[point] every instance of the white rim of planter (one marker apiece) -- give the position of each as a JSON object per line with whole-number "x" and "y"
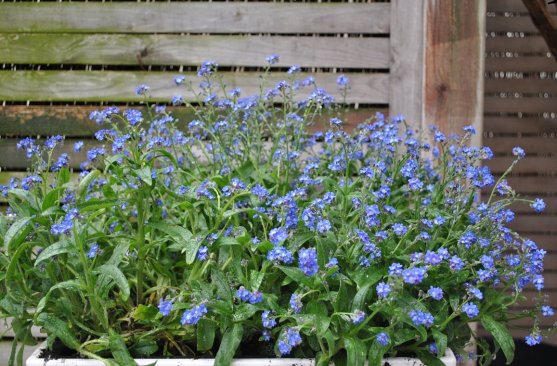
{"x": 35, "y": 360}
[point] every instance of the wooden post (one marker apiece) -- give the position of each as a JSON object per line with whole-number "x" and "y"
{"x": 437, "y": 63}
{"x": 406, "y": 93}
{"x": 454, "y": 68}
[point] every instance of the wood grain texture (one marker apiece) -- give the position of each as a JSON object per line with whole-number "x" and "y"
{"x": 527, "y": 165}
{"x": 525, "y": 85}
{"x": 164, "y": 49}
{"x": 521, "y": 64}
{"x": 531, "y": 144}
{"x": 495, "y": 104}
{"x": 529, "y": 44}
{"x": 406, "y": 95}
{"x": 515, "y": 125}
{"x": 454, "y": 74}
{"x": 115, "y": 86}
{"x": 195, "y": 17}
{"x": 72, "y": 121}
{"x": 510, "y": 24}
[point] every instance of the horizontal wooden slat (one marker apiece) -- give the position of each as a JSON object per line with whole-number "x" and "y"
{"x": 506, "y": 5}
{"x": 533, "y": 185}
{"x": 11, "y": 158}
{"x": 124, "y": 49}
{"x": 526, "y": 165}
{"x": 521, "y": 64}
{"x": 525, "y": 85}
{"x": 532, "y": 145}
{"x": 195, "y": 17}
{"x": 533, "y": 224}
{"x": 510, "y": 24}
{"x": 116, "y": 86}
{"x": 516, "y": 124}
{"x": 531, "y": 44}
{"x": 513, "y": 105}
{"x": 18, "y": 120}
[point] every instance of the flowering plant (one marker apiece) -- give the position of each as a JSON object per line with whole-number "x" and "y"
{"x": 243, "y": 229}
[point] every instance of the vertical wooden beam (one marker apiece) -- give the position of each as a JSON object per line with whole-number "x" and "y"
{"x": 454, "y": 67}
{"x": 406, "y": 94}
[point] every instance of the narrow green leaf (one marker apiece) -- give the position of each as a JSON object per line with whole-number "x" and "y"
{"x": 60, "y": 247}
{"x": 119, "y": 350}
{"x": 222, "y": 285}
{"x": 296, "y": 274}
{"x": 441, "y": 341}
{"x": 114, "y": 273}
{"x": 356, "y": 351}
{"x": 205, "y": 334}
{"x": 229, "y": 344}
{"x": 73, "y": 285}
{"x": 17, "y": 233}
{"x": 58, "y": 328}
{"x": 429, "y": 359}
{"x": 322, "y": 319}
{"x": 145, "y": 313}
{"x": 145, "y": 175}
{"x": 24, "y": 196}
{"x": 375, "y": 354}
{"x": 501, "y": 335}
{"x": 359, "y": 300}
{"x": 84, "y": 183}
{"x": 182, "y": 236}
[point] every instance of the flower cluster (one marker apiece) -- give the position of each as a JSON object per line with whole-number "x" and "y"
{"x": 191, "y": 237}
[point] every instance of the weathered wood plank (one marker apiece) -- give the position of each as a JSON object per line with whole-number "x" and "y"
{"x": 532, "y": 145}
{"x": 11, "y": 158}
{"x": 516, "y": 124}
{"x": 522, "y": 64}
{"x": 532, "y": 224}
{"x": 530, "y": 165}
{"x": 525, "y": 85}
{"x": 506, "y": 5}
{"x": 511, "y": 24}
{"x": 117, "y": 86}
{"x": 164, "y": 49}
{"x": 406, "y": 90}
{"x": 530, "y": 44}
{"x": 525, "y": 105}
{"x": 195, "y": 17}
{"x": 455, "y": 31}
{"x": 18, "y": 120}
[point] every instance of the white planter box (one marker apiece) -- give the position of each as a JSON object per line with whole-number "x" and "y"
{"x": 34, "y": 360}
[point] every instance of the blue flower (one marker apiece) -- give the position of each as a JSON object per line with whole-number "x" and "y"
{"x": 207, "y": 68}
{"x": 323, "y": 226}
{"x": 202, "y": 253}
{"x": 284, "y": 348}
{"x": 471, "y": 309}
{"x": 538, "y": 205}
{"x": 293, "y": 337}
{"x": 93, "y": 250}
{"x": 95, "y": 152}
{"x": 278, "y": 235}
{"x": 383, "y": 339}
{"x": 435, "y": 292}
{"x": 165, "y": 307}
{"x": 342, "y": 81}
{"x": 272, "y": 59}
{"x": 78, "y": 146}
{"x": 456, "y": 264}
{"x": 538, "y": 282}
{"x": 133, "y": 116}
{"x": 177, "y": 100}
{"x": 142, "y": 89}
{"x": 294, "y": 69}
{"x": 399, "y": 229}
{"x": 383, "y": 289}
{"x": 296, "y": 303}
{"x": 357, "y": 317}
{"x": 421, "y": 318}
{"x": 193, "y": 315}
{"x": 51, "y": 142}
{"x": 519, "y": 152}
{"x": 280, "y": 255}
{"x": 307, "y": 261}
{"x": 266, "y": 335}
{"x": 433, "y": 348}
{"x": 414, "y": 275}
{"x": 268, "y": 322}
{"x": 255, "y": 297}
{"x": 547, "y": 311}
{"x": 395, "y": 269}
{"x": 179, "y": 79}
{"x": 533, "y": 339}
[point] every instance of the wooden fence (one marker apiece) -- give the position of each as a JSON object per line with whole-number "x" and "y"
{"x": 521, "y": 110}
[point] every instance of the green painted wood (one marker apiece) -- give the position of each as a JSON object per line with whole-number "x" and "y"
{"x": 164, "y": 49}
{"x": 195, "y": 17}
{"x": 115, "y": 86}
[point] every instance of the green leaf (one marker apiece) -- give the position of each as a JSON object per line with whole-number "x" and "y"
{"x": 222, "y": 285}
{"x": 73, "y": 285}
{"x": 256, "y": 278}
{"x": 226, "y": 240}
{"x": 145, "y": 313}
{"x": 182, "y": 236}
{"x": 144, "y": 347}
{"x": 114, "y": 273}
{"x": 356, "y": 351}
{"x": 17, "y": 233}
{"x": 60, "y": 247}
{"x": 145, "y": 175}
{"x": 84, "y": 183}
{"x": 429, "y": 359}
{"x": 59, "y": 329}
{"x": 322, "y": 319}
{"x": 229, "y": 344}
{"x": 119, "y": 350}
{"x": 205, "y": 334}
{"x": 501, "y": 335}
{"x": 359, "y": 299}
{"x": 297, "y": 275}
{"x": 441, "y": 341}
{"x": 244, "y": 312}
{"x": 25, "y": 196}
{"x": 375, "y": 354}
